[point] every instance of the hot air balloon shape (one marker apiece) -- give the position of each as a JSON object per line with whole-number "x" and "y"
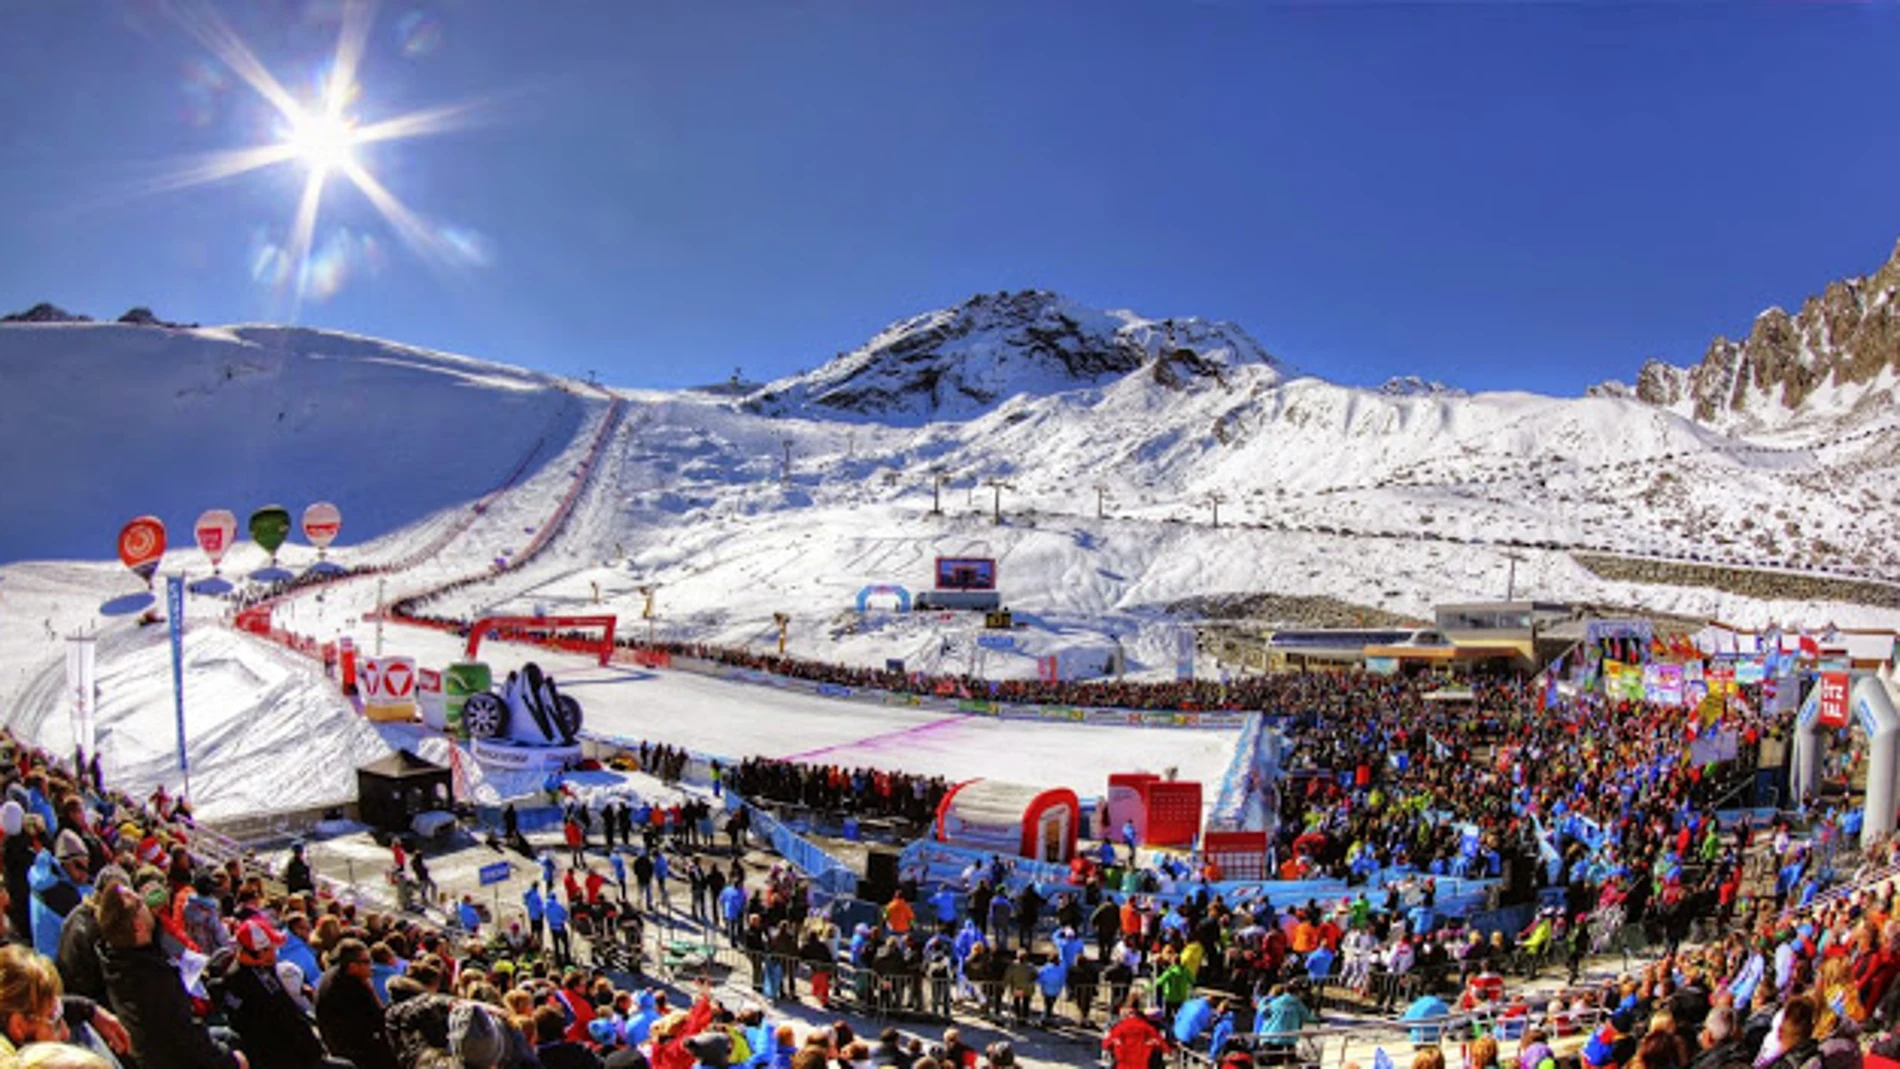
{"x": 216, "y": 530}
{"x": 270, "y": 525}
{"x": 141, "y": 545}
{"x": 321, "y": 522}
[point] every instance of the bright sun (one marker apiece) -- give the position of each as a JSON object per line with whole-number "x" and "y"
{"x": 323, "y": 141}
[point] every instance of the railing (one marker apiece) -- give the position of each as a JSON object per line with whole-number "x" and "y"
{"x": 826, "y": 871}
{"x": 944, "y": 995}
{"x": 1343, "y": 1044}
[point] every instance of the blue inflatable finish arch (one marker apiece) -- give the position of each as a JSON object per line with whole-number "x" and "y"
{"x": 902, "y": 595}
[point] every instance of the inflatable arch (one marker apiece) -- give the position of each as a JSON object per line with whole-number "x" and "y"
{"x": 552, "y": 626}
{"x": 1873, "y": 711}
{"x": 902, "y": 595}
{"x": 1010, "y": 818}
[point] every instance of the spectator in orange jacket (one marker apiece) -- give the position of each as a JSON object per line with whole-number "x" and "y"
{"x": 898, "y": 915}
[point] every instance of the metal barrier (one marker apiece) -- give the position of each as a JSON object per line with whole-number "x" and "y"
{"x": 1338, "y": 1045}
{"x": 825, "y": 871}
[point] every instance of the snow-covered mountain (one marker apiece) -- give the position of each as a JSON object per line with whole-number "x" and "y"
{"x": 104, "y": 421}
{"x": 1836, "y": 359}
{"x": 1107, "y": 443}
{"x": 960, "y": 362}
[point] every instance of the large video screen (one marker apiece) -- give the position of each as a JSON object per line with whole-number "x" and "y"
{"x": 966, "y": 573}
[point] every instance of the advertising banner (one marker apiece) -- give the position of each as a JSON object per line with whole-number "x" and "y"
{"x": 1721, "y": 679}
{"x": 429, "y": 698}
{"x": 966, "y": 573}
{"x": 1833, "y": 707}
{"x": 388, "y": 687}
{"x": 458, "y": 682}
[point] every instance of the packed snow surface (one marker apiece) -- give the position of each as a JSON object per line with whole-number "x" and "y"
{"x": 443, "y": 465}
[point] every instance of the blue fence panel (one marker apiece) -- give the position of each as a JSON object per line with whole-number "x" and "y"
{"x": 808, "y": 857}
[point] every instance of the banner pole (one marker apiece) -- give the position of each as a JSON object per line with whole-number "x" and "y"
{"x": 175, "y": 610}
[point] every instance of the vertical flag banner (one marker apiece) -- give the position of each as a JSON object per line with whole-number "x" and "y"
{"x": 80, "y": 657}
{"x": 175, "y": 611}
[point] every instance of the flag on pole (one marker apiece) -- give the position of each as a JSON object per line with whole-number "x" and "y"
{"x": 1809, "y": 647}
{"x": 175, "y": 610}
{"x": 80, "y": 659}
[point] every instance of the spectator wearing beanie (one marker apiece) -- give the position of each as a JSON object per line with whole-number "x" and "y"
{"x": 476, "y": 1038}
{"x": 60, "y": 880}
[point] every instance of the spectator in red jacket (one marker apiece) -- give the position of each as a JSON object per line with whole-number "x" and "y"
{"x": 1134, "y": 1040}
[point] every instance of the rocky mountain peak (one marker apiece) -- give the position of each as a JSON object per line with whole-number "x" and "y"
{"x": 44, "y": 312}
{"x": 1847, "y": 338}
{"x": 959, "y": 362}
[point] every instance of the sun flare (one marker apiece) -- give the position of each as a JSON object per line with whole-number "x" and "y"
{"x": 322, "y": 141}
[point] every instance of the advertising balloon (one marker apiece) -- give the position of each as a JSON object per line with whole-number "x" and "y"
{"x": 216, "y": 530}
{"x": 270, "y": 525}
{"x": 141, "y": 544}
{"x": 321, "y": 522}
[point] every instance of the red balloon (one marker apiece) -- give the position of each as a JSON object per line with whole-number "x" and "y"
{"x": 142, "y": 544}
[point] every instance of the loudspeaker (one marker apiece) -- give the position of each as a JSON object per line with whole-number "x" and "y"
{"x": 880, "y": 875}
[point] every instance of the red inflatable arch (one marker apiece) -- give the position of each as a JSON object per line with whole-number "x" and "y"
{"x": 507, "y": 627}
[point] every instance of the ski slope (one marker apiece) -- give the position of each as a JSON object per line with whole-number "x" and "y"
{"x": 444, "y": 465}
{"x": 267, "y": 732}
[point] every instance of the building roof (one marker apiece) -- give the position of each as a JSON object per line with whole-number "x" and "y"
{"x": 401, "y": 765}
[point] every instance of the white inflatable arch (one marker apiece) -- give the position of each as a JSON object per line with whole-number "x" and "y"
{"x": 1872, "y": 710}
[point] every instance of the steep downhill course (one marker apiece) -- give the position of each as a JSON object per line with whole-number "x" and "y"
{"x": 101, "y": 422}
{"x": 1106, "y": 442}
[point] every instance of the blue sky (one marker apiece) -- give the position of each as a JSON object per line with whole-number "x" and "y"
{"x": 1496, "y": 196}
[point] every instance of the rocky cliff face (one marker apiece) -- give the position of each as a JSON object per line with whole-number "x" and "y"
{"x": 1839, "y": 353}
{"x": 959, "y": 362}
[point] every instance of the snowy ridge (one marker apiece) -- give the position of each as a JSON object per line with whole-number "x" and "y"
{"x": 960, "y": 362}
{"x": 1397, "y": 499}
{"x": 1835, "y": 361}
{"x": 241, "y": 417}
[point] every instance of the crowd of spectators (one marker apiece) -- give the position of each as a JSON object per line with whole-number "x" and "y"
{"x": 862, "y": 792}
{"x": 127, "y": 943}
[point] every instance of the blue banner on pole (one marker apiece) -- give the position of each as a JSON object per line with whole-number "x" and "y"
{"x": 495, "y": 873}
{"x": 175, "y": 611}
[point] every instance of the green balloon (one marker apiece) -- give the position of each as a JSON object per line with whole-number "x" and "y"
{"x": 270, "y": 525}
